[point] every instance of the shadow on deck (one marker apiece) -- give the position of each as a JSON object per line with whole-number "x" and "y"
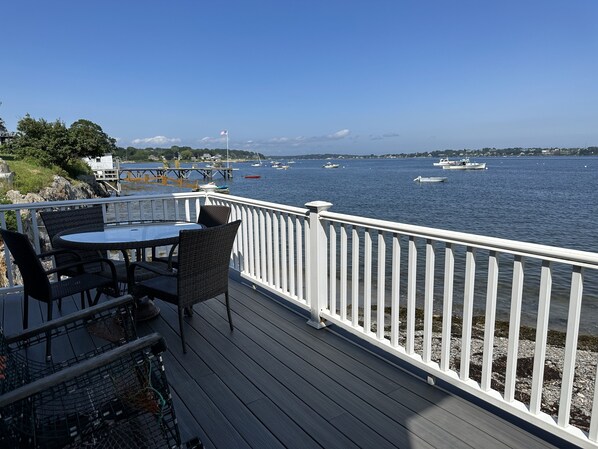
{"x": 276, "y": 382}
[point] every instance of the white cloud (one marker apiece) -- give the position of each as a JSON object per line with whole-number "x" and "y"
{"x": 157, "y": 141}
{"x": 339, "y": 134}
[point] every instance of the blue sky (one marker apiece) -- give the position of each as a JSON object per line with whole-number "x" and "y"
{"x": 299, "y": 77}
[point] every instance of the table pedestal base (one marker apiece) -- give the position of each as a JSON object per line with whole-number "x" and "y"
{"x": 146, "y": 310}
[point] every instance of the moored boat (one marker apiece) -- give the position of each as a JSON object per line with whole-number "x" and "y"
{"x": 330, "y": 165}
{"x": 465, "y": 164}
{"x": 212, "y": 186}
{"x": 430, "y": 179}
{"x": 252, "y": 176}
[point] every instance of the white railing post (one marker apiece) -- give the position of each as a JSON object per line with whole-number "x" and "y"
{"x": 318, "y": 271}
{"x": 208, "y": 188}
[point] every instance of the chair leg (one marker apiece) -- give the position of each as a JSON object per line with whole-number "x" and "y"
{"x": 181, "y": 328}
{"x": 48, "y": 334}
{"x": 82, "y": 294}
{"x": 230, "y": 318}
{"x": 95, "y": 299}
{"x": 60, "y": 304}
{"x": 25, "y": 310}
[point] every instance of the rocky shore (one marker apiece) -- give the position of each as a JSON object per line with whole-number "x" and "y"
{"x": 61, "y": 189}
{"x": 585, "y": 364}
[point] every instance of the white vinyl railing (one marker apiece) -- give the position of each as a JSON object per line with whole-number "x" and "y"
{"x": 452, "y": 304}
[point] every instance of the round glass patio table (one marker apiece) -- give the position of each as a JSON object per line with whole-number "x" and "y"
{"x": 123, "y": 237}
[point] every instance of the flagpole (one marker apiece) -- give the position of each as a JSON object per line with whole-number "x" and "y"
{"x": 227, "y": 162}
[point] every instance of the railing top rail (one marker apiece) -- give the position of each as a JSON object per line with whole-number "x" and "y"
{"x": 119, "y": 199}
{"x": 556, "y": 254}
{"x": 258, "y": 203}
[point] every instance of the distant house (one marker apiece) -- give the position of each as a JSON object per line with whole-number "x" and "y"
{"x": 100, "y": 163}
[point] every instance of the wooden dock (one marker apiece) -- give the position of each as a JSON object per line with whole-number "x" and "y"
{"x": 164, "y": 175}
{"x": 174, "y": 173}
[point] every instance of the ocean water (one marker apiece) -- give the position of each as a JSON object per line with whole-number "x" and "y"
{"x": 547, "y": 200}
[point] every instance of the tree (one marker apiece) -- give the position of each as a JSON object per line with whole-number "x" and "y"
{"x": 55, "y": 144}
{"x": 89, "y": 140}
{"x": 2, "y": 126}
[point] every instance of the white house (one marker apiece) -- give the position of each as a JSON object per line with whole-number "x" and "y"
{"x": 100, "y": 163}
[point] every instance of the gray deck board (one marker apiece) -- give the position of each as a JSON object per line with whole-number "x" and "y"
{"x": 275, "y": 382}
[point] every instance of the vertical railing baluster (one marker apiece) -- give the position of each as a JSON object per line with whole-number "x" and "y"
{"x": 428, "y": 300}
{"x": 355, "y": 278}
{"x": 489, "y": 321}
{"x": 187, "y": 210}
{"x": 276, "y": 245}
{"x": 263, "y": 250}
{"x": 447, "y": 307}
{"x": 246, "y": 257}
{"x": 343, "y": 273}
{"x": 367, "y": 282}
{"x": 332, "y": 265}
{"x": 35, "y": 230}
{"x": 269, "y": 250}
{"x": 514, "y": 323}
{"x": 129, "y": 212}
{"x": 573, "y": 318}
{"x": 299, "y": 243}
{"x": 165, "y": 209}
{"x": 307, "y": 248}
{"x": 468, "y": 295}
{"x": 19, "y": 221}
{"x": 381, "y": 281}
{"x": 256, "y": 243}
{"x": 541, "y": 337}
{"x": 396, "y": 291}
{"x": 292, "y": 263}
{"x": 411, "y": 296}
{"x": 284, "y": 254}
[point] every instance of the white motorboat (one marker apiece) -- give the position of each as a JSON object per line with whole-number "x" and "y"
{"x": 430, "y": 179}
{"x": 330, "y": 165}
{"x": 465, "y": 164}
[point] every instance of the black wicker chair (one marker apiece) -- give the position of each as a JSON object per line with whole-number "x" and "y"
{"x": 202, "y": 274}
{"x": 108, "y": 324}
{"x": 89, "y": 219}
{"x": 37, "y": 285}
{"x": 117, "y": 399}
{"x": 209, "y": 216}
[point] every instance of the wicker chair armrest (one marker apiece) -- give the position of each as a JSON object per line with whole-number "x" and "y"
{"x": 153, "y": 341}
{"x": 54, "y": 252}
{"x": 65, "y": 321}
{"x": 170, "y": 254}
{"x": 82, "y": 263}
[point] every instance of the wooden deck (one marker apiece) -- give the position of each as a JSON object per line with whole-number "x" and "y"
{"x": 275, "y": 382}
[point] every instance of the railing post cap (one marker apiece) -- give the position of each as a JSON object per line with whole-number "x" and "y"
{"x": 318, "y": 206}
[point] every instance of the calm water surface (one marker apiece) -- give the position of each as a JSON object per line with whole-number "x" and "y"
{"x": 547, "y": 200}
